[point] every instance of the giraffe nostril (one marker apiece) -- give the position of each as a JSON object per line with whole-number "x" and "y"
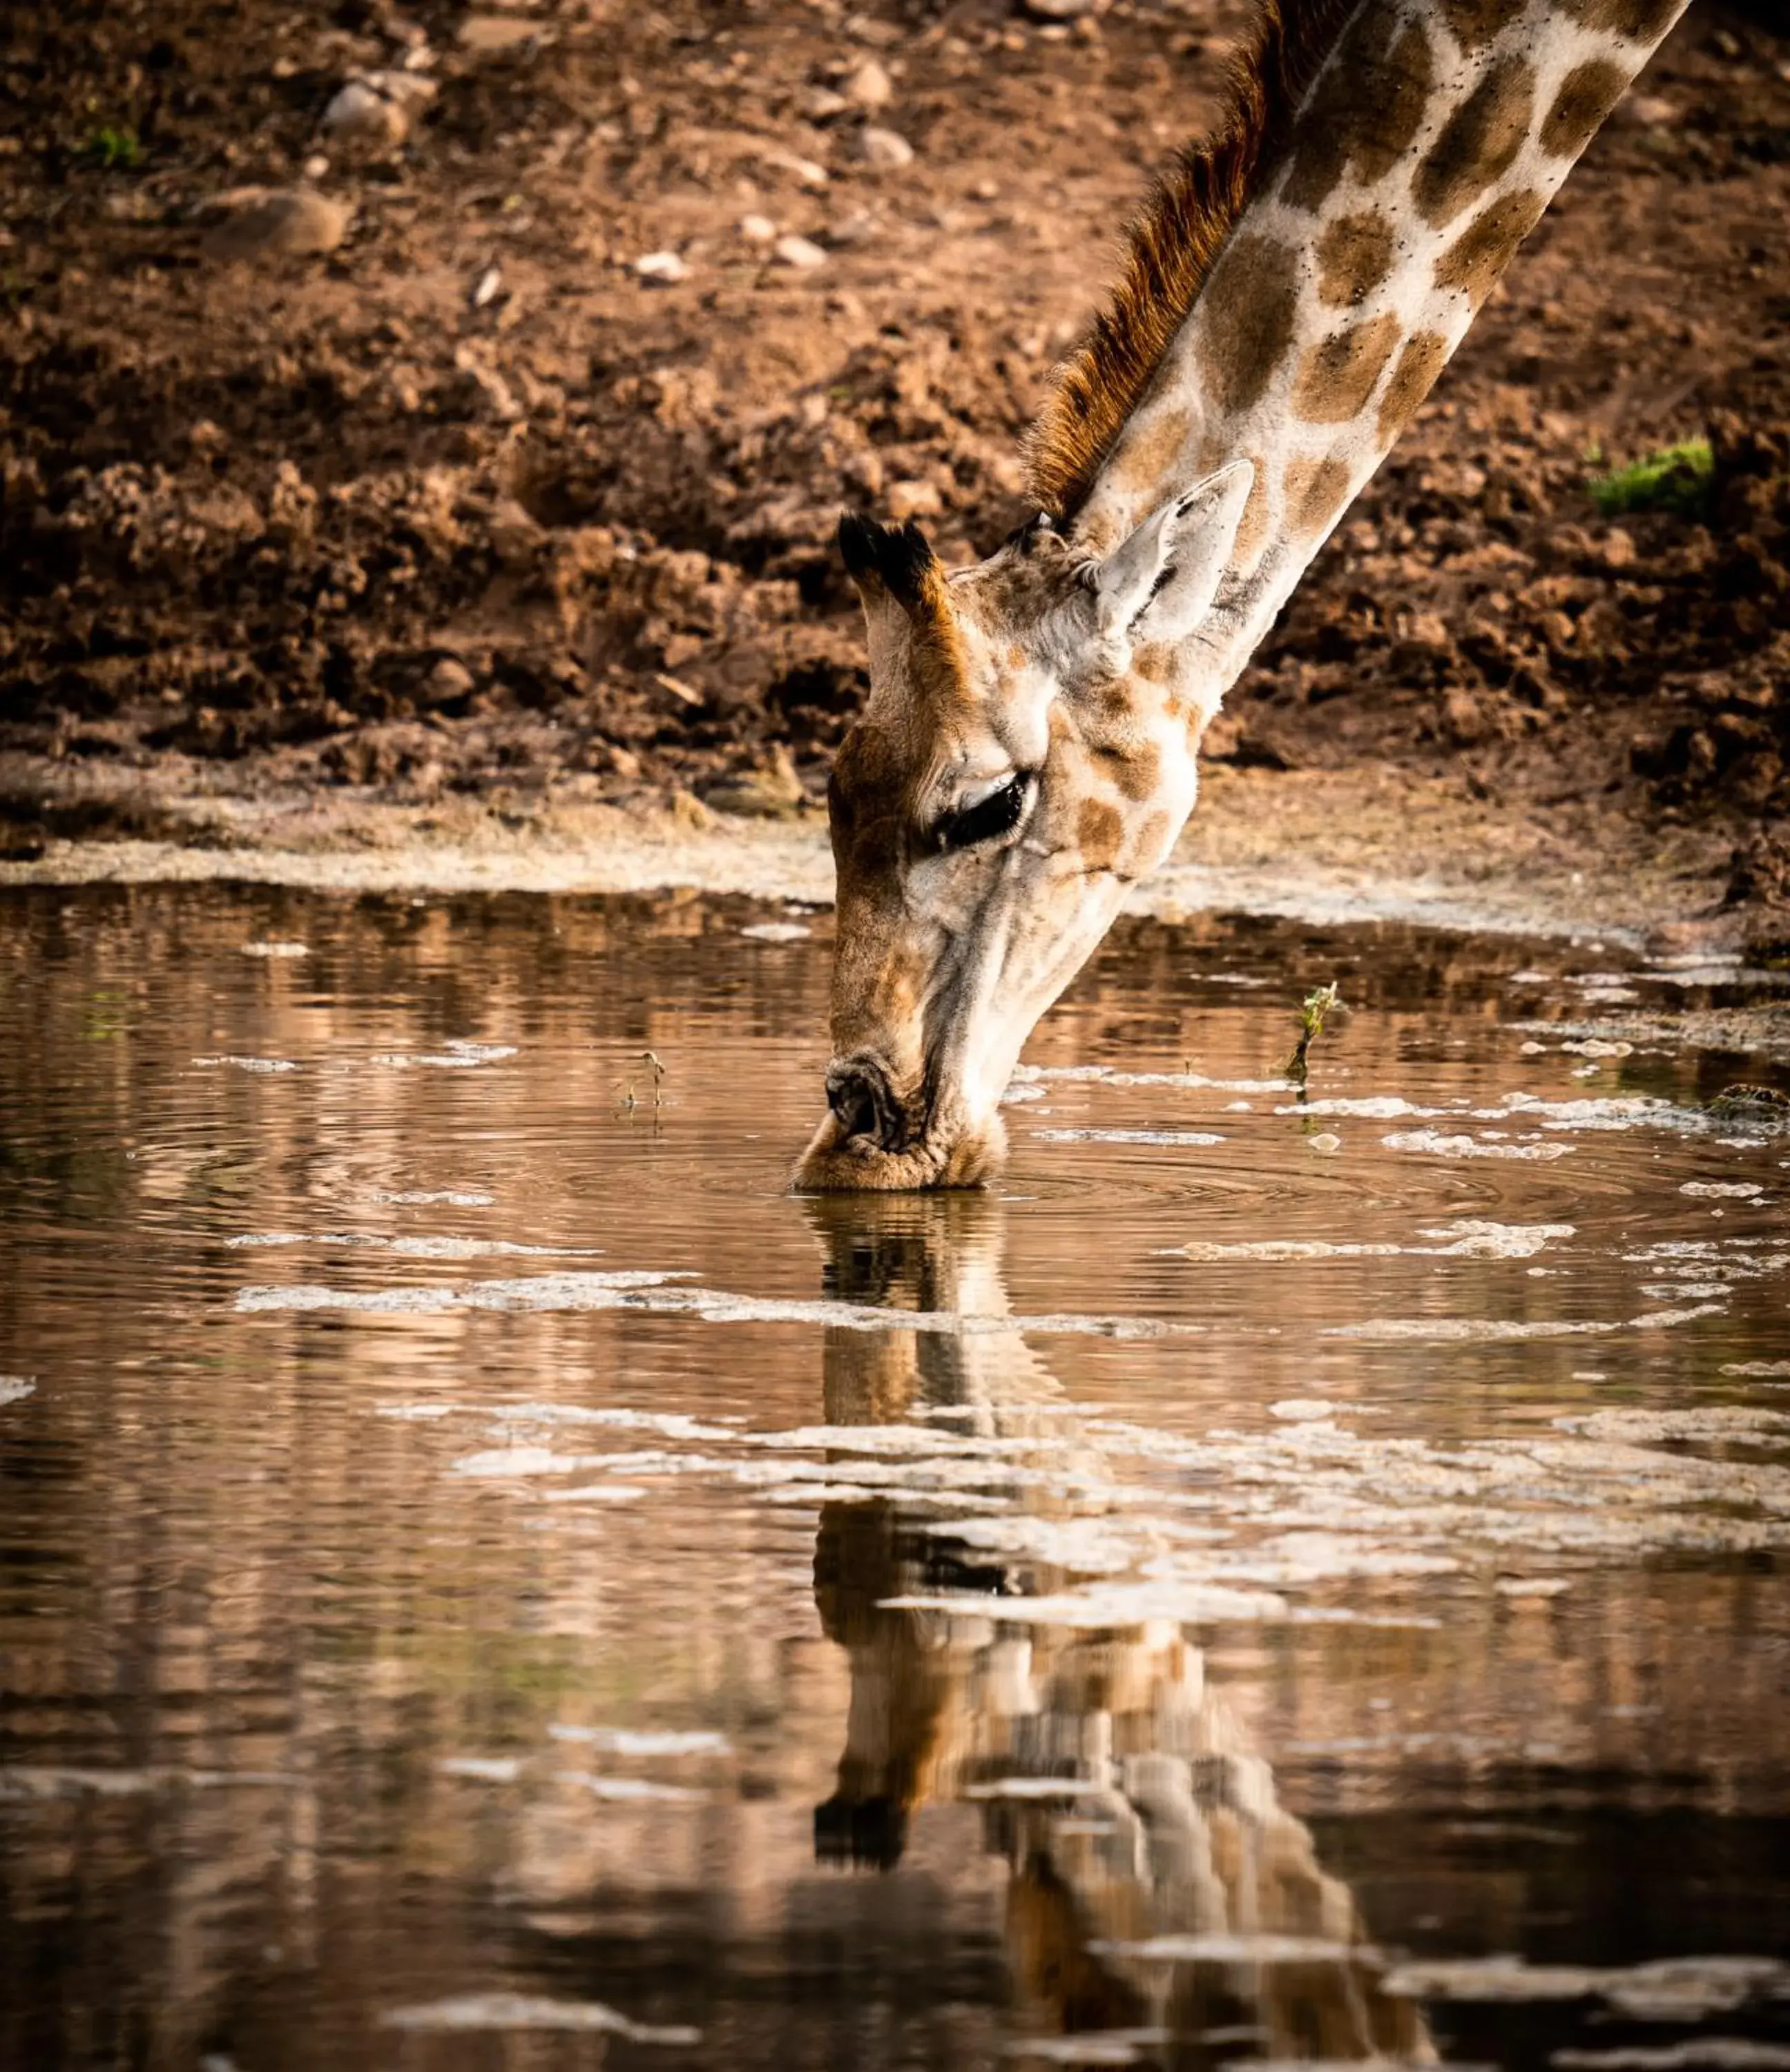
{"x": 858, "y": 1093}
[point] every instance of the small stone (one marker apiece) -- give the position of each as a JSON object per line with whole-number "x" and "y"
{"x": 449, "y": 679}
{"x": 913, "y": 500}
{"x": 821, "y": 104}
{"x": 757, "y": 229}
{"x": 1058, "y": 10}
{"x": 869, "y": 86}
{"x": 887, "y": 149}
{"x": 316, "y": 166}
{"x": 1325, "y": 1143}
{"x": 661, "y": 269}
{"x": 277, "y": 223}
{"x": 802, "y": 253}
{"x": 771, "y": 792}
{"x": 359, "y": 116}
{"x": 488, "y": 33}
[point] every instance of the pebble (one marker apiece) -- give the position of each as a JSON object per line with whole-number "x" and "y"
{"x": 913, "y": 500}
{"x": 361, "y": 113}
{"x": 662, "y": 268}
{"x": 887, "y": 149}
{"x": 869, "y": 86}
{"x": 277, "y": 223}
{"x": 497, "y": 32}
{"x": 799, "y": 252}
{"x": 823, "y": 106}
{"x": 757, "y": 229}
{"x": 1058, "y": 10}
{"x": 1325, "y": 1142}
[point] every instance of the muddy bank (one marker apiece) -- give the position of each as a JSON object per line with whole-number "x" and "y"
{"x": 429, "y": 494}
{"x": 1370, "y": 843}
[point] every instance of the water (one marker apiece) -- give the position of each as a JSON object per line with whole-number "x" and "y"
{"x": 492, "y": 1579}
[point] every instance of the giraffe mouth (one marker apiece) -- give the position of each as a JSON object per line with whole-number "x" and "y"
{"x": 850, "y": 1155}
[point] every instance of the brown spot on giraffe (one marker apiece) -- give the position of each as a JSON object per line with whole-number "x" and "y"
{"x": 1475, "y": 22}
{"x": 1136, "y": 771}
{"x": 1250, "y": 305}
{"x": 1099, "y": 832}
{"x": 1425, "y": 355}
{"x": 1316, "y": 491}
{"x": 1475, "y": 259}
{"x": 1586, "y": 95}
{"x": 1154, "y": 661}
{"x": 1150, "y": 452}
{"x": 1354, "y": 255}
{"x": 1643, "y": 20}
{"x": 1479, "y": 141}
{"x": 1337, "y": 375}
{"x": 1252, "y": 527}
{"x": 1365, "y": 111}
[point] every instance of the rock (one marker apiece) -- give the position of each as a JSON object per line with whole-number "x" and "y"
{"x": 869, "y": 86}
{"x": 913, "y": 500}
{"x": 1058, "y": 10}
{"x": 374, "y": 110}
{"x": 1327, "y": 1144}
{"x": 801, "y": 252}
{"x": 488, "y": 33}
{"x": 447, "y": 680}
{"x": 661, "y": 269}
{"x": 821, "y": 104}
{"x": 277, "y": 223}
{"x": 772, "y": 792}
{"x": 887, "y": 149}
{"x": 757, "y": 229}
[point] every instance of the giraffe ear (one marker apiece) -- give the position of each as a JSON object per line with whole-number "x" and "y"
{"x": 1169, "y": 568}
{"x": 886, "y": 560}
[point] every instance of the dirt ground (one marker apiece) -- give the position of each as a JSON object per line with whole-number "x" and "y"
{"x": 463, "y": 504}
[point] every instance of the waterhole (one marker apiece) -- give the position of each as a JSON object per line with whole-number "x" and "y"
{"x": 1293, "y": 1573}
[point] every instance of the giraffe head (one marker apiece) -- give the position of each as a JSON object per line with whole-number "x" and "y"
{"x": 1027, "y": 749}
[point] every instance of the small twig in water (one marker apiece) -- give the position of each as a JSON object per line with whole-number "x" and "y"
{"x": 1313, "y": 1010}
{"x": 655, "y": 1065}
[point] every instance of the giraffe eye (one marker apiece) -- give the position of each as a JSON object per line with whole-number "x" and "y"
{"x": 988, "y": 820}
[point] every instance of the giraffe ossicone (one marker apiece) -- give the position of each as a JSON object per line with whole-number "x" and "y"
{"x": 1028, "y": 746}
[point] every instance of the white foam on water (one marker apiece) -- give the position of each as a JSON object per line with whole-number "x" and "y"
{"x": 457, "y": 1055}
{"x": 1441, "y": 1146}
{"x": 1724, "y": 1190}
{"x": 1126, "y": 1604}
{"x": 1712, "y": 1420}
{"x": 1374, "y": 1108}
{"x": 1698, "y": 2054}
{"x": 1220, "y": 1948}
{"x": 482, "y": 1769}
{"x": 1106, "y": 1075}
{"x": 1671, "y": 1989}
{"x": 1119, "y": 2047}
{"x": 272, "y": 949}
{"x": 475, "y": 2011}
{"x": 412, "y": 1247}
{"x": 1760, "y": 1369}
{"x": 629, "y": 1790}
{"x": 15, "y": 1388}
{"x": 242, "y": 1064}
{"x": 777, "y": 931}
{"x": 644, "y": 1742}
{"x": 419, "y": 1197}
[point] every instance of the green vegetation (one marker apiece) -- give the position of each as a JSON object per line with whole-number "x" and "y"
{"x": 1675, "y": 478}
{"x": 113, "y": 150}
{"x": 1313, "y": 1008}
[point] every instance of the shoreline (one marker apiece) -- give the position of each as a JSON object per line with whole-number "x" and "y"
{"x": 1373, "y": 844}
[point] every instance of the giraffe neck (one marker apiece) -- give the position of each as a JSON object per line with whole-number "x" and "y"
{"x": 1427, "y": 147}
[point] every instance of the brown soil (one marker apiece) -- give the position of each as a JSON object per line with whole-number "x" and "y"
{"x": 466, "y": 505}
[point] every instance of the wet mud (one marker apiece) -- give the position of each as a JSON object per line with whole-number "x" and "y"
{"x": 470, "y": 507}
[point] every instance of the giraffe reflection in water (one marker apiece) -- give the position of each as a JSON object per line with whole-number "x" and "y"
{"x": 1166, "y": 1824}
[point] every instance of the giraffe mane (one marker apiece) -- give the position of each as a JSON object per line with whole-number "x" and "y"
{"x": 1170, "y": 247}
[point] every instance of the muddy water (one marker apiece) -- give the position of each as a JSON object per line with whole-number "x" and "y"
{"x": 492, "y": 1579}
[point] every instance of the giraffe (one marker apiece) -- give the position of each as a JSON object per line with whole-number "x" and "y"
{"x": 1028, "y": 746}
